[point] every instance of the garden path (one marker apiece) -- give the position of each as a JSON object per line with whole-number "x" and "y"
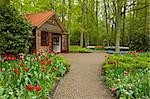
{"x": 84, "y": 81}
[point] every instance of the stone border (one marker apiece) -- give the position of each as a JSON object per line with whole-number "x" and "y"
{"x": 54, "y": 90}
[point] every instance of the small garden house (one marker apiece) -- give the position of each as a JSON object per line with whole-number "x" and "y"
{"x": 49, "y": 32}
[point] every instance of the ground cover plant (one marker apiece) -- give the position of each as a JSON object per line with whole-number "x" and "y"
{"x": 78, "y": 49}
{"x": 128, "y": 76}
{"x": 33, "y": 77}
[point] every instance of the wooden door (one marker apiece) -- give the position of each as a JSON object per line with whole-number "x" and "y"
{"x": 64, "y": 45}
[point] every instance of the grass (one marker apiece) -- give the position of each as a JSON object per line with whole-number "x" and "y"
{"x": 78, "y": 49}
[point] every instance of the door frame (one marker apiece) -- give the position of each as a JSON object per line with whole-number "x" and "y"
{"x": 63, "y": 51}
{"x": 60, "y": 41}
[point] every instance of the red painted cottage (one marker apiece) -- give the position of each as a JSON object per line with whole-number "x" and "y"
{"x": 49, "y": 32}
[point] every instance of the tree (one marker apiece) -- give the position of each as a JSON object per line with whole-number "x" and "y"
{"x": 15, "y": 31}
{"x": 118, "y": 24}
{"x": 84, "y": 19}
{"x": 83, "y": 23}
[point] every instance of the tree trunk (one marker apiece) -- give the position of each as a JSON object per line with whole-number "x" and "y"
{"x": 106, "y": 16}
{"x": 82, "y": 31}
{"x": 69, "y": 15}
{"x": 123, "y": 24}
{"x": 118, "y": 25}
{"x": 97, "y": 5}
{"x": 63, "y": 12}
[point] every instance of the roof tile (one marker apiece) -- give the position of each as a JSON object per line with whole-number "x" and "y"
{"x": 38, "y": 18}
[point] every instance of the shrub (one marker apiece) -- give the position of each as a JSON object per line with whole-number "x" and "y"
{"x": 78, "y": 49}
{"x": 31, "y": 78}
{"x": 62, "y": 59}
{"x": 15, "y": 31}
{"x": 139, "y": 41}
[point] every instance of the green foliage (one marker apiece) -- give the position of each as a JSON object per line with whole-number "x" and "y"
{"x": 16, "y": 32}
{"x": 95, "y": 32}
{"x": 42, "y": 70}
{"x": 139, "y": 41}
{"x": 62, "y": 59}
{"x": 128, "y": 76}
{"x": 78, "y": 49}
{"x": 71, "y": 15}
{"x": 127, "y": 62}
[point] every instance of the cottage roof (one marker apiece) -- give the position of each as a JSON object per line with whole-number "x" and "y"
{"x": 38, "y": 19}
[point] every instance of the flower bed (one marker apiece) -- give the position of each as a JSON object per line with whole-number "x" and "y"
{"x": 31, "y": 78}
{"x": 128, "y": 76}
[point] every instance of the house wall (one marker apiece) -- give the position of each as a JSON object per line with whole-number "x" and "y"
{"x": 38, "y": 41}
{"x": 50, "y": 26}
{"x": 38, "y": 38}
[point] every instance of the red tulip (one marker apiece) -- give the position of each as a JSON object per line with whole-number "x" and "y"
{"x": 43, "y": 63}
{"x": 20, "y": 64}
{"x": 50, "y": 71}
{"x": 49, "y": 62}
{"x": 18, "y": 73}
{"x": 51, "y": 51}
{"x": 110, "y": 62}
{"x": 113, "y": 90}
{"x": 27, "y": 69}
{"x": 140, "y": 51}
{"x": 16, "y": 70}
{"x": 29, "y": 87}
{"x": 3, "y": 70}
{"x": 47, "y": 58}
{"x": 14, "y": 58}
{"x": 39, "y": 59}
{"x": 9, "y": 58}
{"x": 6, "y": 58}
{"x": 38, "y": 88}
{"x": 42, "y": 60}
{"x": 33, "y": 60}
{"x": 54, "y": 68}
{"x": 126, "y": 73}
{"x": 34, "y": 51}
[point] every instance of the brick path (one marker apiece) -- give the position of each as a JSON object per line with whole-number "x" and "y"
{"x": 84, "y": 80}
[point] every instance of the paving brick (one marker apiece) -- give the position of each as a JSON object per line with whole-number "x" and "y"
{"x": 84, "y": 79}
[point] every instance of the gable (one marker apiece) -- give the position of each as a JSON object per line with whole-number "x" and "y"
{"x": 52, "y": 25}
{"x": 44, "y": 19}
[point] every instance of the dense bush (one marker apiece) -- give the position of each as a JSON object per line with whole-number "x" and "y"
{"x": 139, "y": 41}
{"x": 128, "y": 76}
{"x": 31, "y": 78}
{"x": 15, "y": 31}
{"x": 78, "y": 49}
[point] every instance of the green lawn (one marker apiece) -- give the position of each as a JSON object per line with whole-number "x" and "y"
{"x": 78, "y": 49}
